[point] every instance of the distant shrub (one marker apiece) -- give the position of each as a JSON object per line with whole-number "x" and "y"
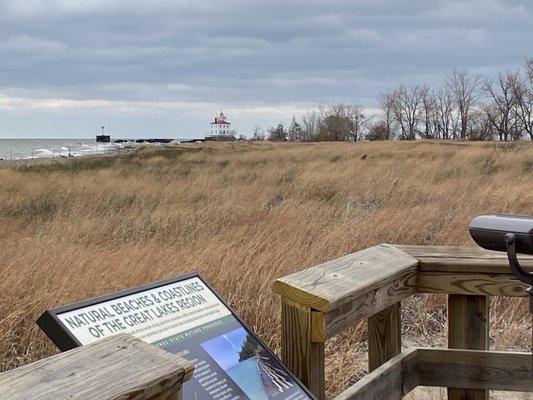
{"x": 274, "y": 201}
{"x": 323, "y": 192}
{"x": 448, "y": 173}
{"x": 38, "y": 208}
{"x": 527, "y": 165}
{"x": 287, "y": 177}
{"x": 223, "y": 164}
{"x": 486, "y": 165}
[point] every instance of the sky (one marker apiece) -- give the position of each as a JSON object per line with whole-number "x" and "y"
{"x": 163, "y": 68}
{"x": 225, "y": 349}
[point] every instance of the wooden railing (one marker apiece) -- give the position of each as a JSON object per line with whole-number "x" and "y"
{"x": 120, "y": 367}
{"x": 320, "y": 302}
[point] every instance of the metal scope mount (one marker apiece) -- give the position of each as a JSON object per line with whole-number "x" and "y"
{"x": 510, "y": 233}
{"x": 520, "y": 273}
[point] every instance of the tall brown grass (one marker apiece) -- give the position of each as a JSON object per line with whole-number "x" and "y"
{"x": 244, "y": 214}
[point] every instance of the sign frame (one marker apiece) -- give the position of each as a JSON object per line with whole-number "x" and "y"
{"x": 61, "y": 336}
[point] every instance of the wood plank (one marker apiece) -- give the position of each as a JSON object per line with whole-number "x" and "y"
{"x": 317, "y": 326}
{"x": 467, "y": 283}
{"x": 333, "y": 284}
{"x": 301, "y": 355}
{"x": 120, "y": 367}
{"x": 367, "y": 305}
{"x": 384, "y": 336}
{"x": 468, "y": 328}
{"x": 467, "y": 259}
{"x": 490, "y": 370}
{"x": 391, "y": 381}
{"x": 481, "y": 370}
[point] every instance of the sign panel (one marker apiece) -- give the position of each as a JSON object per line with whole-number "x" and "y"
{"x": 182, "y": 316}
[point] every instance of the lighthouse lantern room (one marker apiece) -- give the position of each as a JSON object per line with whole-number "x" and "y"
{"x": 220, "y": 126}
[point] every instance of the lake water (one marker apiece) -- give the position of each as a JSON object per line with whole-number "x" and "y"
{"x": 13, "y": 149}
{"x": 247, "y": 376}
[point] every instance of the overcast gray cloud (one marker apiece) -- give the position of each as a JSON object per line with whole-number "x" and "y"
{"x": 163, "y": 67}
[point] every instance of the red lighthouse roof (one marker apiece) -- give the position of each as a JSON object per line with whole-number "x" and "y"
{"x": 221, "y": 120}
{"x": 218, "y": 121}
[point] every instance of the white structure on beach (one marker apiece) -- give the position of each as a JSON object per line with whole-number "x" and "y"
{"x": 220, "y": 126}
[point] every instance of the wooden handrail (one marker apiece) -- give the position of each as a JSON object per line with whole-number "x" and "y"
{"x": 336, "y": 283}
{"x": 351, "y": 288}
{"x": 461, "y": 259}
{"x": 120, "y": 367}
{"x": 320, "y": 302}
{"x": 442, "y": 368}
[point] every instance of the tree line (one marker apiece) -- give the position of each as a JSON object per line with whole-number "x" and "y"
{"x": 464, "y": 107}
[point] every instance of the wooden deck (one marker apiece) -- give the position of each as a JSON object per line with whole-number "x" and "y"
{"x": 320, "y": 302}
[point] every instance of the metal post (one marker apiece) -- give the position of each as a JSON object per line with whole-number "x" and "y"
{"x": 522, "y": 275}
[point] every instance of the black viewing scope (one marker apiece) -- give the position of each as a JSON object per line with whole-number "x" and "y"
{"x": 510, "y": 233}
{"x": 489, "y": 232}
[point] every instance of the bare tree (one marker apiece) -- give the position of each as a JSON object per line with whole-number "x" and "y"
{"x": 479, "y": 126}
{"x": 463, "y": 108}
{"x": 445, "y": 120}
{"x": 428, "y": 107}
{"x": 334, "y": 125}
{"x": 523, "y": 93}
{"x": 386, "y": 102}
{"x": 359, "y": 122}
{"x": 258, "y": 133}
{"x": 378, "y": 131}
{"x": 295, "y": 131}
{"x": 529, "y": 68}
{"x": 310, "y": 125}
{"x": 408, "y": 109}
{"x": 465, "y": 91}
{"x": 501, "y": 110}
{"x": 341, "y": 122}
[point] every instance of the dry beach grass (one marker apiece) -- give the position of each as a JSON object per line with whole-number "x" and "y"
{"x": 244, "y": 214}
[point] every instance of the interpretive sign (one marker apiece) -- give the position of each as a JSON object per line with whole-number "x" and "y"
{"x": 183, "y": 316}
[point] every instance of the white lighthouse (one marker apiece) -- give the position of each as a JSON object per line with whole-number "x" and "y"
{"x": 220, "y": 127}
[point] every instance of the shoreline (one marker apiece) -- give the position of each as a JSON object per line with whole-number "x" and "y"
{"x": 26, "y": 162}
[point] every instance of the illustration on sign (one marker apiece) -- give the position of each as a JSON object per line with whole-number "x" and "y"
{"x": 186, "y": 317}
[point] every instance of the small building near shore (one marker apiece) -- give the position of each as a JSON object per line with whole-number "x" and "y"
{"x": 103, "y": 138}
{"x": 220, "y": 129}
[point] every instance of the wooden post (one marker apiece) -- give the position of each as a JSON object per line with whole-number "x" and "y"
{"x": 384, "y": 336}
{"x": 468, "y": 328}
{"x": 301, "y": 355}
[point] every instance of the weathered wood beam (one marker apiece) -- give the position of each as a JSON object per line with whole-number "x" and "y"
{"x": 464, "y": 270}
{"x": 303, "y": 356}
{"x": 468, "y": 283}
{"x": 468, "y": 328}
{"x": 391, "y": 381}
{"x": 120, "y": 367}
{"x": 367, "y": 305}
{"x": 384, "y": 336}
{"x": 490, "y": 370}
{"x": 476, "y": 369}
{"x": 337, "y": 283}
{"x": 465, "y": 259}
